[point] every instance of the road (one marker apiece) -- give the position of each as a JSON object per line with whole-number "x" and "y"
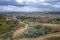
{"x": 20, "y": 30}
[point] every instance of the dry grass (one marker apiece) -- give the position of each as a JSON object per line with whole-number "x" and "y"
{"x": 47, "y": 25}
{"x": 53, "y": 36}
{"x": 51, "y": 25}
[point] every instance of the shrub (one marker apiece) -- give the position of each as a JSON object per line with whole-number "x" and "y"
{"x": 30, "y": 32}
{"x": 11, "y": 25}
{"x": 0, "y": 24}
{"x": 44, "y": 30}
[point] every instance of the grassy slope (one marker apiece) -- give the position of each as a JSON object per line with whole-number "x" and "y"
{"x": 54, "y": 35}
{"x": 48, "y": 35}
{"x": 4, "y": 27}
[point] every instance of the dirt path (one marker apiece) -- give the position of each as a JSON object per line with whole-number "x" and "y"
{"x": 43, "y": 37}
{"x": 20, "y": 30}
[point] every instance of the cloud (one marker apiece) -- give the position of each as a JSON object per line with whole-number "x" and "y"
{"x": 56, "y": 6}
{"x": 29, "y": 5}
{"x": 5, "y": 0}
{"x": 10, "y": 8}
{"x": 18, "y": 9}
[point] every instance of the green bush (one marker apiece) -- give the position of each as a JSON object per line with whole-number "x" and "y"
{"x": 31, "y": 32}
{"x": 44, "y": 30}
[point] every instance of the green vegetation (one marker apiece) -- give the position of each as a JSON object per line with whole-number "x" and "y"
{"x": 37, "y": 31}
{"x": 4, "y": 27}
{"x": 32, "y": 32}
{"x": 42, "y": 19}
{"x": 7, "y": 26}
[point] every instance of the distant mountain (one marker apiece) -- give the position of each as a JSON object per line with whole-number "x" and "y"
{"x": 20, "y": 12}
{"x": 52, "y": 12}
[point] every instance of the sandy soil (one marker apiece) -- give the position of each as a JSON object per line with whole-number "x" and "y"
{"x": 43, "y": 37}
{"x": 20, "y": 30}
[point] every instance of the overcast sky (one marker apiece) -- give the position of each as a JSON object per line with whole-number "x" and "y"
{"x": 29, "y": 5}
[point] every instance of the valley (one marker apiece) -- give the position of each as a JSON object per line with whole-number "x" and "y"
{"x": 30, "y": 26}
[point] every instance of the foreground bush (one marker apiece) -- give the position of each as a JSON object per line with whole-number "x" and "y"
{"x": 32, "y": 32}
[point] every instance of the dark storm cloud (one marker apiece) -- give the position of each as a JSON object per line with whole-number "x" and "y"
{"x": 10, "y": 2}
{"x": 22, "y": 5}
